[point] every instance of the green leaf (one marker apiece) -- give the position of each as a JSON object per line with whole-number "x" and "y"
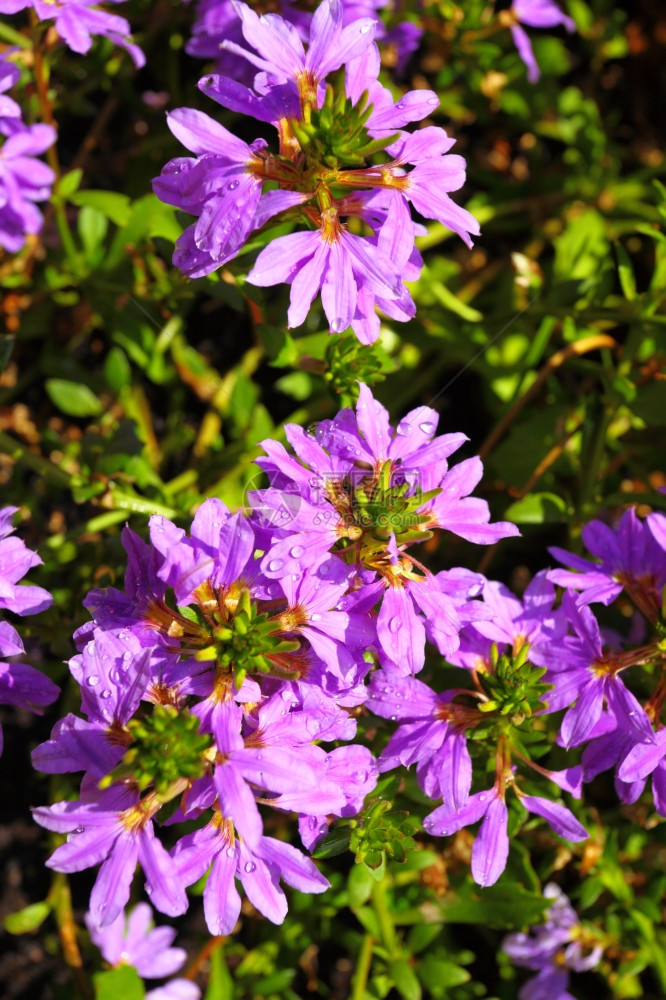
{"x": 111, "y": 204}
{"x": 117, "y": 369}
{"x": 438, "y": 975}
{"x": 504, "y": 907}
{"x": 537, "y": 508}
{"x": 220, "y": 983}
{"x": 405, "y": 979}
{"x": 625, "y": 273}
{"x": 93, "y": 227}
{"x": 27, "y": 919}
{"x": 73, "y": 398}
{"x": 122, "y": 982}
{"x": 359, "y": 885}
{"x": 68, "y": 184}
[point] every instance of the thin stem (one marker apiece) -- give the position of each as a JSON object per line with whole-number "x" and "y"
{"x": 362, "y": 968}
{"x": 381, "y": 908}
{"x": 61, "y": 899}
{"x": 213, "y": 943}
{"x": 20, "y": 453}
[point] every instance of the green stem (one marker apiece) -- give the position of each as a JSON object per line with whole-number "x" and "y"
{"x": 14, "y": 37}
{"x": 381, "y": 908}
{"x": 61, "y": 900}
{"x": 362, "y": 968}
{"x": 20, "y": 453}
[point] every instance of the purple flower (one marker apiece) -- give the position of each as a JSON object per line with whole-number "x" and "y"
{"x": 133, "y": 940}
{"x": 628, "y": 559}
{"x": 259, "y": 870}
{"x": 20, "y": 685}
{"x": 536, "y": 14}
{"x": 23, "y": 180}
{"x": 76, "y": 21}
{"x": 117, "y": 830}
{"x": 552, "y": 949}
{"x": 279, "y": 51}
{"x": 342, "y": 265}
{"x": 581, "y": 670}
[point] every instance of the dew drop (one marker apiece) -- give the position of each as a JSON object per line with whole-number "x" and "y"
{"x": 403, "y": 428}
{"x": 233, "y": 185}
{"x": 312, "y": 822}
{"x": 127, "y": 655}
{"x": 400, "y": 106}
{"x": 395, "y": 624}
{"x": 393, "y": 718}
{"x": 122, "y": 635}
{"x": 231, "y": 852}
{"x": 80, "y": 829}
{"x": 250, "y": 867}
{"x": 338, "y": 325}
{"x": 295, "y": 577}
{"x": 427, "y": 427}
{"x": 216, "y": 524}
{"x": 482, "y": 797}
{"x": 433, "y": 101}
{"x": 360, "y": 776}
{"x": 365, "y": 28}
{"x": 105, "y": 694}
{"x": 275, "y": 564}
{"x": 388, "y": 689}
{"x": 315, "y": 617}
{"x": 92, "y": 681}
{"x": 286, "y": 695}
{"x": 297, "y": 552}
{"x": 323, "y": 828}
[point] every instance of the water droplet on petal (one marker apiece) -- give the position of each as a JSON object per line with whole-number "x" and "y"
{"x": 275, "y": 564}
{"x": 323, "y": 829}
{"x": 365, "y": 28}
{"x": 315, "y": 617}
{"x": 297, "y": 552}
{"x": 403, "y": 428}
{"x": 92, "y": 681}
{"x": 80, "y": 829}
{"x": 427, "y": 427}
{"x": 233, "y": 185}
{"x": 216, "y": 524}
{"x": 231, "y": 852}
{"x": 250, "y": 867}
{"x": 312, "y": 822}
{"x": 433, "y": 101}
{"x": 400, "y": 106}
{"x": 127, "y": 655}
{"x": 395, "y": 624}
{"x": 105, "y": 694}
{"x": 482, "y": 797}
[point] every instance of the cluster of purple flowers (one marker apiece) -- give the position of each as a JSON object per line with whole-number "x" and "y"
{"x": 211, "y": 682}
{"x": 20, "y": 684}
{"x": 553, "y": 949}
{"x": 342, "y": 155}
{"x": 76, "y": 21}
{"x": 24, "y": 179}
{"x": 217, "y": 23}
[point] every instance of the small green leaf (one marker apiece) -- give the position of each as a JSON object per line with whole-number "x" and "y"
{"x": 68, "y": 184}
{"x": 405, "y": 979}
{"x": 537, "y": 508}
{"x": 122, "y": 982}
{"x": 625, "y": 273}
{"x": 27, "y": 919}
{"x": 73, "y": 398}
{"x": 93, "y": 227}
{"x": 111, "y": 204}
{"x": 117, "y": 369}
